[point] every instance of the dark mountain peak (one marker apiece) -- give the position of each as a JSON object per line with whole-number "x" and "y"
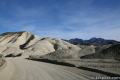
{"x": 77, "y": 39}
{"x": 93, "y": 41}
{"x": 96, "y": 39}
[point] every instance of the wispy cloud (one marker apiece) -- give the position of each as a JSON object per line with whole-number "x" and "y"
{"x": 62, "y": 19}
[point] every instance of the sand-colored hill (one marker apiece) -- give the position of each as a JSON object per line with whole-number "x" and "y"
{"x": 25, "y": 44}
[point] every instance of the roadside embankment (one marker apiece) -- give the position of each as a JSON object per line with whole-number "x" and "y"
{"x": 2, "y": 62}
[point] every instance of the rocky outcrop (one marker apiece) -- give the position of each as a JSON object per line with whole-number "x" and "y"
{"x": 54, "y": 47}
{"x": 10, "y": 42}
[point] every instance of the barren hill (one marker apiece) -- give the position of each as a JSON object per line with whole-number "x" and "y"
{"x": 25, "y": 44}
{"x": 109, "y": 52}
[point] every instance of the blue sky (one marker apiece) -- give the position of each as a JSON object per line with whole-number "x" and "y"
{"x": 62, "y": 18}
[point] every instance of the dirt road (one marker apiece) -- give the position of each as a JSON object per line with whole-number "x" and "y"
{"x": 22, "y": 69}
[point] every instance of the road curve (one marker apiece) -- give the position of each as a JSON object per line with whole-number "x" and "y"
{"x": 22, "y": 69}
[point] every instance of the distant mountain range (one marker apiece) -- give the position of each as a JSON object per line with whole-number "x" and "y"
{"x": 92, "y": 41}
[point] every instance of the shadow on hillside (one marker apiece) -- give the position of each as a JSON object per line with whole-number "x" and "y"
{"x": 99, "y": 71}
{"x": 53, "y": 62}
{"x": 12, "y": 55}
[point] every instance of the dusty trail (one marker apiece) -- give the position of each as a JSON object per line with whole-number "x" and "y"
{"x": 22, "y": 69}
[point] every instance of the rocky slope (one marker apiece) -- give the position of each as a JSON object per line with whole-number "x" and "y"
{"x": 25, "y": 44}
{"x": 109, "y": 52}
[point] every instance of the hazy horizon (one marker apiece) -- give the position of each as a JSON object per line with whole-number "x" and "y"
{"x": 65, "y": 19}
